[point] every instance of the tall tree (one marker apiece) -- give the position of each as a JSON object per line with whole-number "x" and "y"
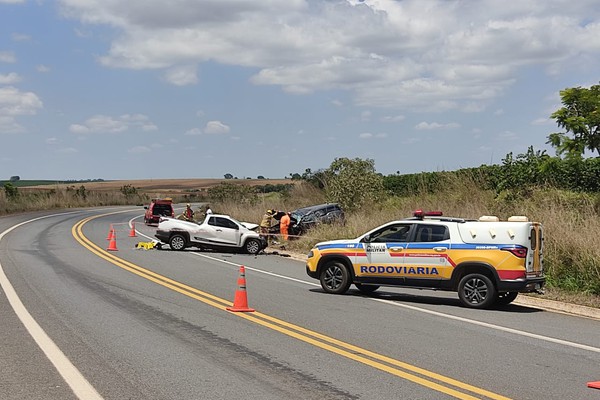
{"x": 580, "y": 118}
{"x": 353, "y": 183}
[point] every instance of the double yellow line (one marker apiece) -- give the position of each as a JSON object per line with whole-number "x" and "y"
{"x": 431, "y": 380}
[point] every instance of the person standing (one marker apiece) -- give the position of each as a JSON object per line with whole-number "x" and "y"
{"x": 188, "y": 214}
{"x": 284, "y": 225}
{"x": 265, "y": 224}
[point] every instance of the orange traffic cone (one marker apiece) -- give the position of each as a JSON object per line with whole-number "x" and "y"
{"x": 111, "y": 233}
{"x": 594, "y": 385}
{"x": 240, "y": 303}
{"x": 112, "y": 245}
{"x": 132, "y": 231}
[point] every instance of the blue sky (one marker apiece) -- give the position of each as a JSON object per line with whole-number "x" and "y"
{"x": 148, "y": 89}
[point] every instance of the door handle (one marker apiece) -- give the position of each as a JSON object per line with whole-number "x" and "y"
{"x": 396, "y": 248}
{"x": 440, "y": 249}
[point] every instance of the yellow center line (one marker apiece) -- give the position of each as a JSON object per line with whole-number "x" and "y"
{"x": 325, "y": 342}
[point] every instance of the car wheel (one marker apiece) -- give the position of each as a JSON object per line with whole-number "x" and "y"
{"x": 335, "y": 278}
{"x": 477, "y": 291}
{"x": 505, "y": 298}
{"x": 366, "y": 289}
{"x": 177, "y": 242}
{"x": 253, "y": 246}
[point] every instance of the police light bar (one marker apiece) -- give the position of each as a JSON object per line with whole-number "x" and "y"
{"x": 422, "y": 214}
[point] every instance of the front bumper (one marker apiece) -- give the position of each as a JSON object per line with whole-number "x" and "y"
{"x": 312, "y": 274}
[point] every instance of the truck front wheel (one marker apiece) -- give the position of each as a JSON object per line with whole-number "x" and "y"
{"x": 177, "y": 242}
{"x": 335, "y": 278}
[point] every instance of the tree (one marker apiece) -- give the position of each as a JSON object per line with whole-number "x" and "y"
{"x": 15, "y": 178}
{"x": 579, "y": 117}
{"x": 353, "y": 183}
{"x": 228, "y": 176}
{"x": 11, "y": 191}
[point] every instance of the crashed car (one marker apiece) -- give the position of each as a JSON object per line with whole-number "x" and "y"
{"x": 216, "y": 232}
{"x": 302, "y": 219}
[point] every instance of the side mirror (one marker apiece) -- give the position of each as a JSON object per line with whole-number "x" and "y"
{"x": 366, "y": 239}
{"x": 145, "y": 207}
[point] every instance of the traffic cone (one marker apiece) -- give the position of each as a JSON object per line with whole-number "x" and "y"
{"x": 240, "y": 303}
{"x": 112, "y": 245}
{"x": 132, "y": 231}
{"x": 594, "y": 385}
{"x": 111, "y": 233}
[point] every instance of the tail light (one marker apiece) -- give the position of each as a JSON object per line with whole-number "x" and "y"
{"x": 518, "y": 251}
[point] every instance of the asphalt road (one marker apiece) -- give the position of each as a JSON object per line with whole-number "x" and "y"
{"x": 87, "y": 323}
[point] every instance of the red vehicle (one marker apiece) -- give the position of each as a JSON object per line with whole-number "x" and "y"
{"x": 158, "y": 208}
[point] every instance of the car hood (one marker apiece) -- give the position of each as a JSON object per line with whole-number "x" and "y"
{"x": 250, "y": 225}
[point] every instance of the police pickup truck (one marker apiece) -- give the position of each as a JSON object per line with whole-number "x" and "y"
{"x": 487, "y": 261}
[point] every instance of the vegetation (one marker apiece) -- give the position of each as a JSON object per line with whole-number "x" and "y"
{"x": 579, "y": 117}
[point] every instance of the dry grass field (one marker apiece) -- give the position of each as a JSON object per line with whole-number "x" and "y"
{"x": 170, "y": 185}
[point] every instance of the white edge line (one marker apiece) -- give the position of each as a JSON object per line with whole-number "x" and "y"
{"x": 81, "y": 387}
{"x": 437, "y": 314}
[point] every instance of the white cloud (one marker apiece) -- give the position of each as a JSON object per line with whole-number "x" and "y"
{"x": 42, "y": 68}
{"x": 435, "y": 55}
{"x": 107, "y": 124}
{"x": 52, "y": 141}
{"x": 9, "y": 125}
{"x": 436, "y": 125}
{"x": 216, "y": 128}
{"x": 7, "y": 57}
{"x": 182, "y": 75}
{"x": 367, "y": 135}
{"x": 10, "y": 79}
{"x": 15, "y": 103}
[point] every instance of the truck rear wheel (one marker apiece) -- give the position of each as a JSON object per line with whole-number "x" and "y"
{"x": 477, "y": 291}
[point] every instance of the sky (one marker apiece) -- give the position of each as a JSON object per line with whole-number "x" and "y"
{"x": 154, "y": 89}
